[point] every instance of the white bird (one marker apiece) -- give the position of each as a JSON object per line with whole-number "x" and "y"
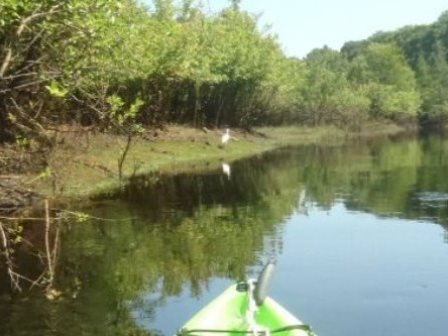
{"x": 225, "y": 137}
{"x": 226, "y": 169}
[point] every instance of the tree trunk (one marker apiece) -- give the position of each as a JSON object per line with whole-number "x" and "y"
{"x": 197, "y": 103}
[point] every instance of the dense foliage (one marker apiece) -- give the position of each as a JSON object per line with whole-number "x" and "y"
{"x": 425, "y": 49}
{"x": 65, "y": 62}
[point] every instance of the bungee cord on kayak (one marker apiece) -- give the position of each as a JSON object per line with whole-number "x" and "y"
{"x": 303, "y": 327}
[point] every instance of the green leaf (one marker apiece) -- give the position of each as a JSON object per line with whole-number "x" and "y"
{"x": 56, "y": 90}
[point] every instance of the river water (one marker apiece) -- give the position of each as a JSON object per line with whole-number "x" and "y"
{"x": 359, "y": 232}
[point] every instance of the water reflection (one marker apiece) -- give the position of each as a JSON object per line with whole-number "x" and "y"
{"x": 226, "y": 169}
{"x": 174, "y": 237}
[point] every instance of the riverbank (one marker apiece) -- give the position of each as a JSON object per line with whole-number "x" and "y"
{"x": 85, "y": 164}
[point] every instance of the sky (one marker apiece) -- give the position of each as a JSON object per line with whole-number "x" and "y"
{"x": 302, "y": 25}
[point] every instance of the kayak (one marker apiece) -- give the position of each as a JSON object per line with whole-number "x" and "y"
{"x": 244, "y": 308}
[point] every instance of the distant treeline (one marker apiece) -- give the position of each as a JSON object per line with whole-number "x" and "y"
{"x": 102, "y": 62}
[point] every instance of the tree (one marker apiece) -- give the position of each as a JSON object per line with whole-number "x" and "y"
{"x": 390, "y": 82}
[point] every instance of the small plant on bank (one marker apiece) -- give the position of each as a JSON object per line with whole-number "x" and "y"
{"x": 124, "y": 121}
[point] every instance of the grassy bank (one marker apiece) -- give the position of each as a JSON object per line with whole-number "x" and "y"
{"x": 86, "y": 165}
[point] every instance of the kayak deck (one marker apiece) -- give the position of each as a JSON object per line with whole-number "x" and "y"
{"x": 227, "y": 315}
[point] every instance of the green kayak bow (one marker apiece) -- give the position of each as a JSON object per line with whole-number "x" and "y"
{"x": 245, "y": 309}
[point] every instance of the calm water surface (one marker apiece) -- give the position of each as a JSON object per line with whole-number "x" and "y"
{"x": 359, "y": 232}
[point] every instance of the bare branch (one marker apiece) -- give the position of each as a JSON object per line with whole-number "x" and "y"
{"x": 6, "y": 61}
{"x": 47, "y": 244}
{"x": 35, "y": 38}
{"x": 21, "y": 218}
{"x": 28, "y": 74}
{"x": 23, "y": 86}
{"x": 32, "y": 121}
{"x": 93, "y": 108}
{"x": 37, "y": 282}
{"x": 8, "y": 260}
{"x": 56, "y": 246}
{"x": 33, "y": 16}
{"x": 31, "y": 63}
{"x": 39, "y": 110}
